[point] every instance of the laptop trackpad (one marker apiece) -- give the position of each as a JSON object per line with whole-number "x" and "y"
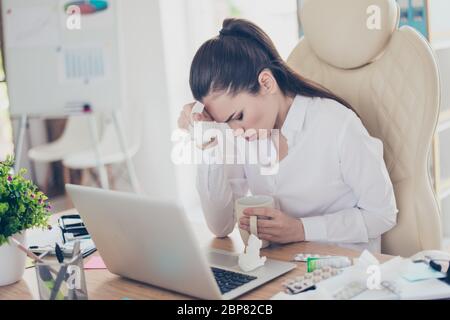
{"x": 220, "y": 259}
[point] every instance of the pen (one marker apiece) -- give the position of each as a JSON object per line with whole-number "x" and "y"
{"x": 76, "y": 250}
{"x": 59, "y": 253}
{"x": 435, "y": 266}
{"x": 27, "y": 252}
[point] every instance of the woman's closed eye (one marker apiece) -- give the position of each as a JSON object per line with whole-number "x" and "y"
{"x": 233, "y": 117}
{"x": 240, "y": 116}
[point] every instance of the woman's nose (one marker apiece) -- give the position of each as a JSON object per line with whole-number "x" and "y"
{"x": 235, "y": 127}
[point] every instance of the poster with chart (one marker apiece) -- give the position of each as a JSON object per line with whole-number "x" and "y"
{"x": 62, "y": 56}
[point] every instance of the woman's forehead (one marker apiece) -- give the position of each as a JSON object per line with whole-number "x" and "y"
{"x": 219, "y": 105}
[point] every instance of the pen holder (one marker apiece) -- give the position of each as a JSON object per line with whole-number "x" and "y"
{"x": 62, "y": 281}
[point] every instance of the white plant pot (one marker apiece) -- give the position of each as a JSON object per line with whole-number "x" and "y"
{"x": 12, "y": 261}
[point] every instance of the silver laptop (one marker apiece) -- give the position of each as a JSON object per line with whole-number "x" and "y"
{"x": 152, "y": 241}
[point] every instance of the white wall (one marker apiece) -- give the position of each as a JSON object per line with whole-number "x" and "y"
{"x": 160, "y": 38}
{"x": 177, "y": 37}
{"x": 277, "y": 19}
{"x": 147, "y": 96}
{"x": 438, "y": 20}
{"x": 186, "y": 24}
{"x": 146, "y": 85}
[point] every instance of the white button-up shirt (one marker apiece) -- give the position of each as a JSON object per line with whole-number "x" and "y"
{"x": 334, "y": 179}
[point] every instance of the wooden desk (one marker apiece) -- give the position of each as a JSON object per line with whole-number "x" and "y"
{"x": 102, "y": 284}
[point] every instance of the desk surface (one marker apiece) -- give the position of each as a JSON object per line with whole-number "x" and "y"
{"x": 102, "y": 284}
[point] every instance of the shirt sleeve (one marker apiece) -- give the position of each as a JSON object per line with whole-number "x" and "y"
{"x": 219, "y": 185}
{"x": 364, "y": 170}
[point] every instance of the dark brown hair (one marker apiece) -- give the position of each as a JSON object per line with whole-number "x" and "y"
{"x": 234, "y": 59}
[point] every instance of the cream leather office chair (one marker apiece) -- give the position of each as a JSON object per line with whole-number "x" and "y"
{"x": 390, "y": 77}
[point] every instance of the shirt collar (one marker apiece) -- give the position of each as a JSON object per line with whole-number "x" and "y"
{"x": 295, "y": 118}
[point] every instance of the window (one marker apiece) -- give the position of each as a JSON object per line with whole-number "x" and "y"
{"x": 6, "y": 145}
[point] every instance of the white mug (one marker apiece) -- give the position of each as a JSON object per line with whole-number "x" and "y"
{"x": 252, "y": 202}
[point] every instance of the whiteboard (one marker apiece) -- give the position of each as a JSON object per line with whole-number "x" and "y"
{"x": 54, "y": 69}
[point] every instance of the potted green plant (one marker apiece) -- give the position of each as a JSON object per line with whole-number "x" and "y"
{"x": 22, "y": 206}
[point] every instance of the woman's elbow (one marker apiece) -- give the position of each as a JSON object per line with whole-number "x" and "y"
{"x": 221, "y": 231}
{"x": 380, "y": 222}
{"x": 390, "y": 220}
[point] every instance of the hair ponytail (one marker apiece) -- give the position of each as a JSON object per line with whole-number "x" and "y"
{"x": 233, "y": 60}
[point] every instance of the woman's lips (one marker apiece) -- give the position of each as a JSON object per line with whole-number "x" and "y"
{"x": 251, "y": 134}
{"x": 252, "y": 137}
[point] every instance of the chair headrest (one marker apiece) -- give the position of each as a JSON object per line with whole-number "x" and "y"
{"x": 348, "y": 33}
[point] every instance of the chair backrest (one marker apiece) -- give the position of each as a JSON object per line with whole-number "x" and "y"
{"x": 132, "y": 125}
{"x": 77, "y": 131}
{"x": 389, "y": 76}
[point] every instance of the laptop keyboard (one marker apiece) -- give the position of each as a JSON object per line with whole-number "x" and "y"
{"x": 229, "y": 280}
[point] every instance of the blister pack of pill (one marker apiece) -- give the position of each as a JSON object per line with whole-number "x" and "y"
{"x": 303, "y": 257}
{"x": 309, "y": 280}
{"x": 350, "y": 290}
{"x": 392, "y": 287}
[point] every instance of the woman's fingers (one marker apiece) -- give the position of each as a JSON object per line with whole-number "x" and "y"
{"x": 186, "y": 120}
{"x": 266, "y": 236}
{"x": 184, "y": 117}
{"x": 261, "y": 223}
{"x": 183, "y": 123}
{"x": 267, "y": 229}
{"x": 271, "y": 231}
{"x": 187, "y": 108}
{"x": 200, "y": 117}
{"x": 266, "y": 212}
{"x": 264, "y": 226}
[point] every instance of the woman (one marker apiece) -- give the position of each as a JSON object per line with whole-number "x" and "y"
{"x": 332, "y": 184}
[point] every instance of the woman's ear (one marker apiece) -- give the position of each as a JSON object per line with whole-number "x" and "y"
{"x": 267, "y": 81}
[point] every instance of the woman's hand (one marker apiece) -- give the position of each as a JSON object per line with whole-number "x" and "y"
{"x": 186, "y": 119}
{"x": 279, "y": 228}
